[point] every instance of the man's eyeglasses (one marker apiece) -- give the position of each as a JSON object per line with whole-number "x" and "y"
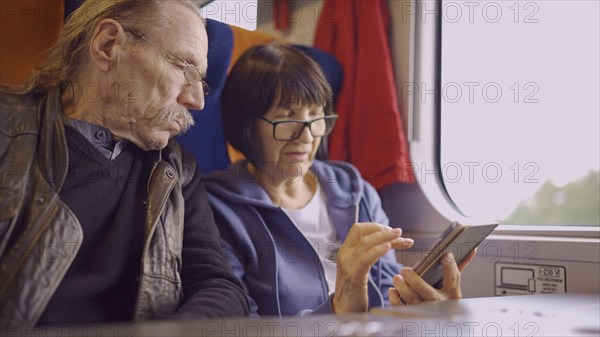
{"x": 190, "y": 72}
{"x": 292, "y": 129}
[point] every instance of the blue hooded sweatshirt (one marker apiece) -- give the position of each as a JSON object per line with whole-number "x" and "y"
{"x": 280, "y": 269}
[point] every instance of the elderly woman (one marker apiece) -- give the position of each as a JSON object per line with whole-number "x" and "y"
{"x": 304, "y": 236}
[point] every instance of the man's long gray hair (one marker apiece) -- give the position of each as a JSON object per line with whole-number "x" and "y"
{"x": 63, "y": 61}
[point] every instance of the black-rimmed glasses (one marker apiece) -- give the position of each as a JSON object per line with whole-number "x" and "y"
{"x": 292, "y": 129}
{"x": 190, "y": 72}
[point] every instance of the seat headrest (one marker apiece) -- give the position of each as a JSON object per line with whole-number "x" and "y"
{"x": 206, "y": 139}
{"x": 332, "y": 69}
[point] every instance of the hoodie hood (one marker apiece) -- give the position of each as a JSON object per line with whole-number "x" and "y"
{"x": 340, "y": 181}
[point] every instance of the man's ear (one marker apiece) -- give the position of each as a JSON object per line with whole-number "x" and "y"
{"x": 106, "y": 39}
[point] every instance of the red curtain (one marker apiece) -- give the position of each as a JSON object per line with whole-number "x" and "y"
{"x": 369, "y": 131}
{"x": 281, "y": 14}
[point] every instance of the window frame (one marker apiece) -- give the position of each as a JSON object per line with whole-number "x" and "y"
{"x": 424, "y": 132}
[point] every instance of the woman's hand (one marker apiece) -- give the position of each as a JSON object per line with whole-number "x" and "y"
{"x": 365, "y": 244}
{"x": 410, "y": 288}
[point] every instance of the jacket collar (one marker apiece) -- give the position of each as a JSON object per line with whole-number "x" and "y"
{"x": 53, "y": 153}
{"x": 52, "y": 146}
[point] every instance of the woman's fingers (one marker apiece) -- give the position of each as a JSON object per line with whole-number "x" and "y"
{"x": 367, "y": 242}
{"x": 465, "y": 262}
{"x": 364, "y": 245}
{"x": 416, "y": 283}
{"x": 373, "y": 246}
{"x": 410, "y": 288}
{"x": 394, "y": 297}
{"x": 405, "y": 291}
{"x": 402, "y": 243}
{"x": 451, "y": 283}
{"x": 362, "y": 229}
{"x": 372, "y": 236}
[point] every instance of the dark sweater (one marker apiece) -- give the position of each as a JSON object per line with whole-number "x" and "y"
{"x": 108, "y": 199}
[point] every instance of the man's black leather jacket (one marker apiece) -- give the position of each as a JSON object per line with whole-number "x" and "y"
{"x": 39, "y": 234}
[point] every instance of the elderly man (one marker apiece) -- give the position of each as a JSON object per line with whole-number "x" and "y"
{"x": 103, "y": 217}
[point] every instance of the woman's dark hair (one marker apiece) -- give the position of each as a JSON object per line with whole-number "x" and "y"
{"x": 266, "y": 75}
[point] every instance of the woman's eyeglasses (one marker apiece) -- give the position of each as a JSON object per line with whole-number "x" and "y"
{"x": 292, "y": 129}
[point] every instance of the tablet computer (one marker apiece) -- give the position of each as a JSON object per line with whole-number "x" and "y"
{"x": 458, "y": 239}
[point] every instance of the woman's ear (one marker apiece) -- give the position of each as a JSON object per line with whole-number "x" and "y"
{"x": 105, "y": 42}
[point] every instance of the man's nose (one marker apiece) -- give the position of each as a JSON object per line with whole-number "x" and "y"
{"x": 192, "y": 96}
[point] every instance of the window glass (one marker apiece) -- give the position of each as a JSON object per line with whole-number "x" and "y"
{"x": 520, "y": 110}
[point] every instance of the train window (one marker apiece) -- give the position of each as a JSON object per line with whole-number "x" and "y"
{"x": 519, "y": 110}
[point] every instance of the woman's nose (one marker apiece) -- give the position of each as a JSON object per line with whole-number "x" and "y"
{"x": 306, "y": 134}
